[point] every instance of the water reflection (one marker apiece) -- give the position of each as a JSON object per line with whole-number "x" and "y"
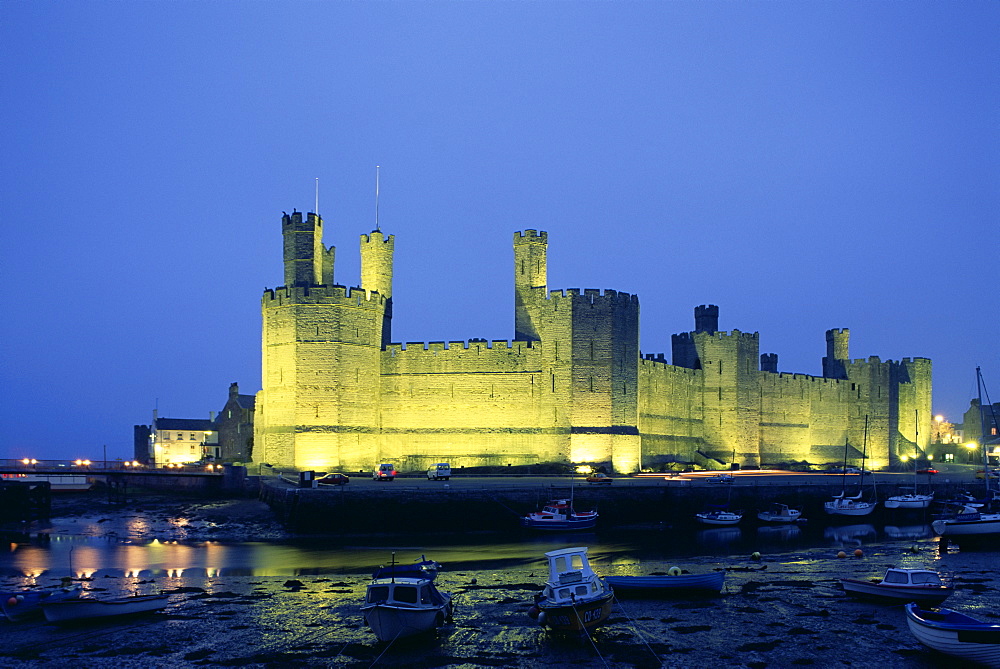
{"x": 779, "y": 533}
{"x": 850, "y": 534}
{"x": 909, "y": 531}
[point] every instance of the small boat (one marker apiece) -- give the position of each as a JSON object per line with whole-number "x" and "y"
{"x": 25, "y": 604}
{"x": 842, "y": 505}
{"x": 780, "y": 513}
{"x": 901, "y": 585}
{"x": 400, "y": 606}
{"x": 719, "y": 517}
{"x": 909, "y": 501}
{"x": 574, "y": 598}
{"x": 955, "y": 634}
{"x": 70, "y": 611}
{"x": 674, "y": 582}
{"x": 559, "y": 514}
{"x": 970, "y": 523}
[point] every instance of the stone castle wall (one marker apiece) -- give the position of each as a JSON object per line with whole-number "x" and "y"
{"x": 571, "y": 387}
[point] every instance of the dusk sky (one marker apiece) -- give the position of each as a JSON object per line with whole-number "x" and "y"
{"x": 802, "y": 165}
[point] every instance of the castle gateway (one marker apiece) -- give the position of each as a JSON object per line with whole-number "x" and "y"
{"x": 571, "y": 387}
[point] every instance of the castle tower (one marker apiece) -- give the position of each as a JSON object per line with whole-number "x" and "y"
{"x": 318, "y": 404}
{"x": 769, "y": 363}
{"x": 376, "y": 273}
{"x": 307, "y": 263}
{"x": 836, "y": 353}
{"x": 706, "y": 318}
{"x": 530, "y": 280}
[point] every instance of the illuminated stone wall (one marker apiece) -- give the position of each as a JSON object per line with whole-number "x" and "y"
{"x": 571, "y": 387}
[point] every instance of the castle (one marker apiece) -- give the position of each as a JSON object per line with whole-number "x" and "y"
{"x": 572, "y": 386}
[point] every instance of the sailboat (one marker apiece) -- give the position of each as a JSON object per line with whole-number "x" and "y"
{"x": 969, "y": 523}
{"x": 844, "y": 505}
{"x": 911, "y": 500}
{"x": 721, "y": 514}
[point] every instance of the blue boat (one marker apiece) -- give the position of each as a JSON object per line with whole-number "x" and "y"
{"x": 24, "y": 604}
{"x": 425, "y": 568}
{"x": 955, "y": 634}
{"x": 669, "y": 584}
{"x": 559, "y": 514}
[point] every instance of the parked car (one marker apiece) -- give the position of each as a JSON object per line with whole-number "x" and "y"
{"x": 599, "y": 477}
{"x": 334, "y": 478}
{"x": 439, "y": 471}
{"x": 927, "y": 470}
{"x": 721, "y": 478}
{"x": 384, "y": 472}
{"x": 981, "y": 474}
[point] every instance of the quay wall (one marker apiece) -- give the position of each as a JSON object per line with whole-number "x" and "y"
{"x": 346, "y": 510}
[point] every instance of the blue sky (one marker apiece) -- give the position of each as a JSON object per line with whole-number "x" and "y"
{"x": 804, "y": 166}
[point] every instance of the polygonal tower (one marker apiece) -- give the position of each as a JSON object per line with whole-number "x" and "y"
{"x": 318, "y": 404}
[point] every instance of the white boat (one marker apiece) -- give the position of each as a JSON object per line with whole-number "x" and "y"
{"x": 844, "y": 504}
{"x": 779, "y": 513}
{"x": 402, "y": 606}
{"x": 901, "y": 585}
{"x": 909, "y": 501}
{"x": 559, "y": 514}
{"x": 75, "y": 610}
{"x": 719, "y": 517}
{"x": 955, "y": 634}
{"x": 969, "y": 523}
{"x": 574, "y": 599}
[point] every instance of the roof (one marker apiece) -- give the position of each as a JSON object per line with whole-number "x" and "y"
{"x": 202, "y": 424}
{"x": 246, "y": 401}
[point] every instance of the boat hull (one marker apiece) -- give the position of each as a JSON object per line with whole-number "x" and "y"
{"x": 719, "y": 518}
{"x": 955, "y": 634}
{"x": 969, "y": 526}
{"x": 390, "y": 622}
{"x": 579, "y": 617}
{"x": 768, "y": 517}
{"x": 895, "y": 593}
{"x": 89, "y": 609}
{"x": 909, "y": 502}
{"x": 665, "y": 586}
{"x": 559, "y": 525}
{"x": 848, "y": 508}
{"x": 24, "y": 605}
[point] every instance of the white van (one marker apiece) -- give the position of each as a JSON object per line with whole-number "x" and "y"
{"x": 384, "y": 472}
{"x": 439, "y": 471}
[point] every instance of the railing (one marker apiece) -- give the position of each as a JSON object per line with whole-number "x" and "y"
{"x": 82, "y": 466}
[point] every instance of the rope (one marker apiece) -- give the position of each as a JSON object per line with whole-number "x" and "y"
{"x": 589, "y": 637}
{"x": 636, "y": 628}
{"x": 386, "y": 649}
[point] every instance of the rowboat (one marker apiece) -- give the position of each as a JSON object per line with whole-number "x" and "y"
{"x": 76, "y": 610}
{"x": 24, "y": 604}
{"x": 668, "y": 584}
{"x": 955, "y": 634}
{"x": 574, "y": 599}
{"x": 901, "y": 585}
{"x": 402, "y": 601}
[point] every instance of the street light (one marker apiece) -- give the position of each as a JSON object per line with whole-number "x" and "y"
{"x": 972, "y": 446}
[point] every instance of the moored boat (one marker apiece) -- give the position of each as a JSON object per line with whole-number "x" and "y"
{"x": 909, "y": 501}
{"x": 842, "y": 505}
{"x": 969, "y": 523}
{"x": 559, "y": 514}
{"x": 574, "y": 599}
{"x": 665, "y": 585}
{"x": 75, "y": 610}
{"x": 719, "y": 517}
{"x": 402, "y": 601}
{"x": 955, "y": 634}
{"x": 780, "y": 513}
{"x": 25, "y": 604}
{"x": 901, "y": 585}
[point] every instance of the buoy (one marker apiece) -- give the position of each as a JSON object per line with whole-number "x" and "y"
{"x": 841, "y": 554}
{"x": 858, "y": 552}
{"x": 755, "y": 555}
{"x": 541, "y": 617}
{"x": 674, "y": 571}
{"x": 12, "y": 601}
{"x": 533, "y": 613}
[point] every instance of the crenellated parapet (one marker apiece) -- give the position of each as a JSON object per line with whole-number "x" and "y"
{"x": 328, "y": 295}
{"x": 593, "y": 296}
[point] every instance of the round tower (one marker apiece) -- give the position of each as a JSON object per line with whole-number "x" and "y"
{"x": 376, "y": 262}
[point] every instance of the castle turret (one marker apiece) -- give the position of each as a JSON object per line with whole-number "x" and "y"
{"x": 530, "y": 280}
{"x": 836, "y": 353}
{"x": 769, "y": 362}
{"x": 706, "y": 318}
{"x": 376, "y": 273}
{"x": 307, "y": 263}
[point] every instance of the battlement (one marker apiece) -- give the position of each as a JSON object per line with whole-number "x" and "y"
{"x": 294, "y": 221}
{"x": 377, "y": 236}
{"x": 529, "y": 236}
{"x": 473, "y": 352}
{"x": 594, "y": 296}
{"x": 685, "y": 337}
{"x": 329, "y": 294}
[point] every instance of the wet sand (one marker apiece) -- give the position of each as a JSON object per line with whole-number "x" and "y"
{"x": 785, "y": 610}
